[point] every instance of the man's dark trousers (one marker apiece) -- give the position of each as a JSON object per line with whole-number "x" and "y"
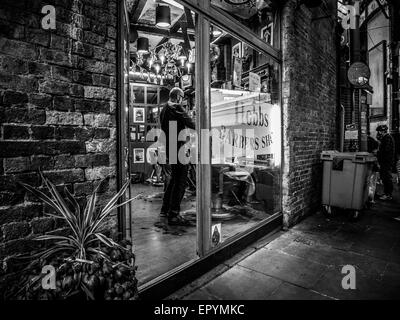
{"x": 175, "y": 190}
{"x": 386, "y": 177}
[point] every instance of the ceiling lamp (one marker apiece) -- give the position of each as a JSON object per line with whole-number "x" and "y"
{"x": 142, "y": 45}
{"x": 163, "y": 16}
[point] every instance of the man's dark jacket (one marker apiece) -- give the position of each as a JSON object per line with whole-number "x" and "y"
{"x": 386, "y": 152}
{"x": 175, "y": 112}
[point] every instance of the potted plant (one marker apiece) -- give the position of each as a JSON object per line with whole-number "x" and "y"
{"x": 87, "y": 263}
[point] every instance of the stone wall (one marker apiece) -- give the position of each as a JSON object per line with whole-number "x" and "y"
{"x": 309, "y": 105}
{"x": 57, "y": 110}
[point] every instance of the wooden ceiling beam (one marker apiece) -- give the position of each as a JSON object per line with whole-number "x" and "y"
{"x": 137, "y": 10}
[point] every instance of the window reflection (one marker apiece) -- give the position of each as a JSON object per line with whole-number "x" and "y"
{"x": 246, "y": 136}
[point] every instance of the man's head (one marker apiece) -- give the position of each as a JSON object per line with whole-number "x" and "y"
{"x": 176, "y": 95}
{"x": 381, "y": 131}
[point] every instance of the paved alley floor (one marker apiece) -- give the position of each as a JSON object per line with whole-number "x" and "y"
{"x": 306, "y": 262}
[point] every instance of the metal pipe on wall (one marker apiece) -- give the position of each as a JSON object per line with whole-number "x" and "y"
{"x": 394, "y": 15}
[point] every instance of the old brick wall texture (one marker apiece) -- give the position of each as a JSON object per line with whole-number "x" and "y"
{"x": 309, "y": 106}
{"x": 57, "y": 110}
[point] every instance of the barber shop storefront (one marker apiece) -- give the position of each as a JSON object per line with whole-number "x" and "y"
{"x": 226, "y": 59}
{"x": 248, "y": 88}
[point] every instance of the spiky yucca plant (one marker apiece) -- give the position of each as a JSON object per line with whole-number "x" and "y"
{"x": 85, "y": 225}
{"x": 87, "y": 261}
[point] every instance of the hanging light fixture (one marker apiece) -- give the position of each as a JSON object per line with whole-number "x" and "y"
{"x": 142, "y": 45}
{"x": 163, "y": 16}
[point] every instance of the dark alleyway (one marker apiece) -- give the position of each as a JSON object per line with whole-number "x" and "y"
{"x": 306, "y": 261}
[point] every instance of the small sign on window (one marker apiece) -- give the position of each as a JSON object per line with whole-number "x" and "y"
{"x": 216, "y": 235}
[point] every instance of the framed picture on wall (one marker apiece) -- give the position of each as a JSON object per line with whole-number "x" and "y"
{"x": 248, "y": 57}
{"x": 237, "y": 72}
{"x": 377, "y": 64}
{"x": 139, "y": 115}
{"x": 267, "y": 33}
{"x": 237, "y": 51}
{"x": 138, "y": 155}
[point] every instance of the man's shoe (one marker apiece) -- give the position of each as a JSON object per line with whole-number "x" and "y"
{"x": 178, "y": 221}
{"x": 397, "y": 219}
{"x": 386, "y": 197}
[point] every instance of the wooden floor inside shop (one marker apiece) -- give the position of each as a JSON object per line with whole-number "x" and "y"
{"x": 159, "y": 247}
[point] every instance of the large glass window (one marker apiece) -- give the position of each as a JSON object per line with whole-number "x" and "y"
{"x": 246, "y": 136}
{"x": 230, "y": 99}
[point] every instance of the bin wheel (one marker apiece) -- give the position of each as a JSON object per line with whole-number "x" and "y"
{"x": 327, "y": 210}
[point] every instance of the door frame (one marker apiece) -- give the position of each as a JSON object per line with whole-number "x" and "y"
{"x": 122, "y": 118}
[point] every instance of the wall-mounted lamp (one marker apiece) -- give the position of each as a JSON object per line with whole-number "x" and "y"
{"x": 163, "y": 16}
{"x": 189, "y": 67}
{"x": 142, "y": 45}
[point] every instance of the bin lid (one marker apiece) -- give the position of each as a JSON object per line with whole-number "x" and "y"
{"x": 353, "y": 156}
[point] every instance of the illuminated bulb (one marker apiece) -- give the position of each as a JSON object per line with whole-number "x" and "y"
{"x": 188, "y": 65}
{"x": 157, "y": 68}
{"x": 162, "y": 58}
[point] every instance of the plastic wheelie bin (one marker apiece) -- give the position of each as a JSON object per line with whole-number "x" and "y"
{"x": 345, "y": 180}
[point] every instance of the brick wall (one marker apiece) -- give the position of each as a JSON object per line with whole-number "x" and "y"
{"x": 309, "y": 106}
{"x": 57, "y": 109}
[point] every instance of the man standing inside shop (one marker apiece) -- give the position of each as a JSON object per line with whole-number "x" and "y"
{"x": 173, "y": 112}
{"x": 386, "y": 159}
